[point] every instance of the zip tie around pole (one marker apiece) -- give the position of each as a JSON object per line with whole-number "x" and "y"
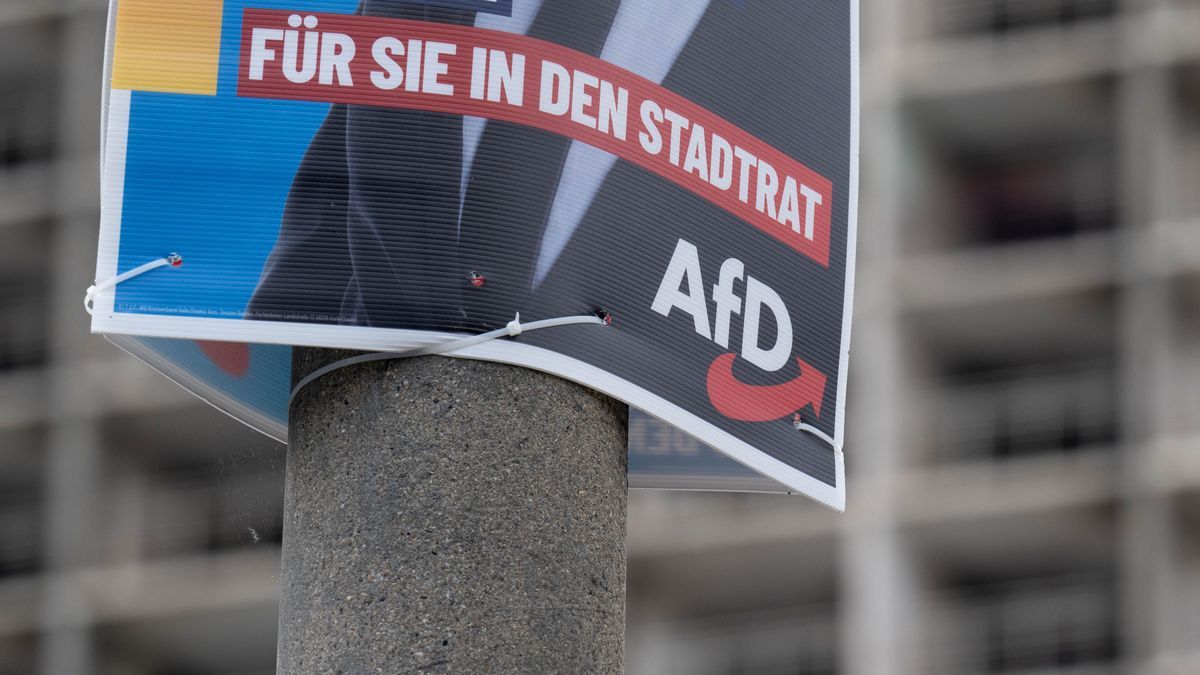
{"x": 513, "y": 329}
{"x": 89, "y": 298}
{"x": 821, "y": 435}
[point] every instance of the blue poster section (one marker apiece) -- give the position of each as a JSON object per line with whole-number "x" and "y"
{"x": 241, "y": 155}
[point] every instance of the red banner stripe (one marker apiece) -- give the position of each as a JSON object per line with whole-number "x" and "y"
{"x": 787, "y": 191}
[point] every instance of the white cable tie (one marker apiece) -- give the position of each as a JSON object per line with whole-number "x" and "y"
{"x": 89, "y": 298}
{"x": 810, "y": 429}
{"x": 512, "y": 329}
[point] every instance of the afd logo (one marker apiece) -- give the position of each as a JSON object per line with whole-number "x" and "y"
{"x": 731, "y": 397}
{"x": 501, "y": 7}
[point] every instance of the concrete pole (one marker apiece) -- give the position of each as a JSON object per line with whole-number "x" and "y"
{"x": 445, "y": 515}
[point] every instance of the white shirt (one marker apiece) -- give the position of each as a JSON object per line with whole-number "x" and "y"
{"x": 646, "y": 38}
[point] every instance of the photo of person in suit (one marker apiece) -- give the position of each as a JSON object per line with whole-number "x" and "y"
{"x": 411, "y": 219}
{"x": 392, "y": 217}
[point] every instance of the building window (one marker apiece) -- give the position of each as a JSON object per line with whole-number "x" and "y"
{"x": 1038, "y": 195}
{"x": 1015, "y": 413}
{"x": 209, "y": 483}
{"x": 24, "y": 294}
{"x": 20, "y": 501}
{"x": 1003, "y": 16}
{"x": 1046, "y": 624}
{"x": 1183, "y": 173}
{"x": 28, "y": 78}
{"x": 1010, "y": 165}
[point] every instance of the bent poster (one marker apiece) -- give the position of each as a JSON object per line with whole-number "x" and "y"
{"x": 383, "y": 174}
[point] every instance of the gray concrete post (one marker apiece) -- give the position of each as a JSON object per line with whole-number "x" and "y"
{"x": 445, "y": 515}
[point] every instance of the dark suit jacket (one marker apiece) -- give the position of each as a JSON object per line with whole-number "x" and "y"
{"x": 371, "y": 231}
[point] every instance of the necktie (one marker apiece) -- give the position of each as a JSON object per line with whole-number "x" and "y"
{"x": 513, "y": 180}
{"x": 405, "y": 169}
{"x": 646, "y": 37}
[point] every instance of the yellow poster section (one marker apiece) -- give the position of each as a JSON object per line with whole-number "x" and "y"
{"x": 167, "y": 45}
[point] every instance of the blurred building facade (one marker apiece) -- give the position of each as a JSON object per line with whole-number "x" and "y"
{"x": 1024, "y": 440}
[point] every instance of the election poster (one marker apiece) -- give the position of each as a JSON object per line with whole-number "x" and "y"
{"x": 385, "y": 175}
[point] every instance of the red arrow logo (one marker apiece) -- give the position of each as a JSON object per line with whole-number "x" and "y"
{"x": 762, "y": 403}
